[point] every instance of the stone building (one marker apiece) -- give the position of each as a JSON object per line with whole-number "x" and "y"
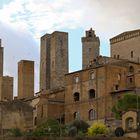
{"x": 90, "y": 93}
{"x": 15, "y": 114}
{"x": 6, "y": 88}
{"x": 126, "y": 46}
{"x": 53, "y": 60}
{"x": 1, "y": 59}
{"x": 25, "y": 79}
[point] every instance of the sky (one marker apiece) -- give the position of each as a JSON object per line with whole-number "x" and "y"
{"x": 23, "y": 22}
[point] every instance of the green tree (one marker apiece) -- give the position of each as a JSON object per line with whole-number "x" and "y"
{"x": 129, "y": 101}
{"x": 50, "y": 128}
{"x": 97, "y": 128}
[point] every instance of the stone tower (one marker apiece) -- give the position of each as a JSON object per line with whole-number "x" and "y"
{"x": 54, "y": 60}
{"x": 90, "y": 48}
{"x": 6, "y": 88}
{"x": 1, "y": 59}
{"x": 25, "y": 79}
{"x": 126, "y": 46}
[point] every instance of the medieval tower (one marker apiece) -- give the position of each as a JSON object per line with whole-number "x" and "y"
{"x": 54, "y": 60}
{"x": 1, "y": 59}
{"x": 25, "y": 79}
{"x": 90, "y": 48}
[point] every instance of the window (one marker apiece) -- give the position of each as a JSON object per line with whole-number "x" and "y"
{"x": 116, "y": 87}
{"x": 89, "y": 34}
{"x": 132, "y": 54}
{"x": 91, "y": 93}
{"x": 92, "y": 75}
{"x": 35, "y": 121}
{"x": 130, "y": 80}
{"x": 118, "y": 56}
{"x": 131, "y": 69}
{"x": 92, "y": 114}
{"x": 76, "y": 115}
{"x": 115, "y": 56}
{"x": 76, "y": 96}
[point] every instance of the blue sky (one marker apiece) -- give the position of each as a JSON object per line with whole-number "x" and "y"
{"x": 23, "y": 22}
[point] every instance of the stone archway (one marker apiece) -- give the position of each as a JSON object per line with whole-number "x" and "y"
{"x": 129, "y": 120}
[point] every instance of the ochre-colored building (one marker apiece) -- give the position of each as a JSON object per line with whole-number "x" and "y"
{"x": 89, "y": 94}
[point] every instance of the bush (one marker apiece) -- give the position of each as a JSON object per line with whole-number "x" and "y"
{"x": 78, "y": 127}
{"x": 97, "y": 128}
{"x": 16, "y": 132}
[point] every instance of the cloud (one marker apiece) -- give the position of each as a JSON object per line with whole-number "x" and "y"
{"x": 22, "y": 22}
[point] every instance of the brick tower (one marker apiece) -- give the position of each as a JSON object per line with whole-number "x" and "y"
{"x": 90, "y": 48}
{"x": 54, "y": 60}
{"x": 25, "y": 79}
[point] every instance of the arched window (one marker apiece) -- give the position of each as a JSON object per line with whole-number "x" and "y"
{"x": 76, "y": 115}
{"x": 132, "y": 54}
{"x": 76, "y": 96}
{"x": 92, "y": 94}
{"x": 92, "y": 114}
{"x": 131, "y": 69}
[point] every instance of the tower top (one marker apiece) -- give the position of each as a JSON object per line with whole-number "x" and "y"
{"x": 90, "y": 36}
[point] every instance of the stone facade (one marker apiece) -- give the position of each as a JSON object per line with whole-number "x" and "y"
{"x": 15, "y": 114}
{"x": 1, "y": 59}
{"x": 25, "y": 79}
{"x": 54, "y": 60}
{"x": 90, "y": 48}
{"x": 6, "y": 88}
{"x": 126, "y": 46}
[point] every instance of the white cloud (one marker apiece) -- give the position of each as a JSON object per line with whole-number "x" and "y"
{"x": 22, "y": 21}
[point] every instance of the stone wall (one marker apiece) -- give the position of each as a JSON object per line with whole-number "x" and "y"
{"x": 15, "y": 114}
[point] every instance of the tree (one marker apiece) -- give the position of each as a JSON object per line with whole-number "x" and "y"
{"x": 77, "y": 127}
{"x": 129, "y": 101}
{"x": 50, "y": 128}
{"x": 97, "y": 128}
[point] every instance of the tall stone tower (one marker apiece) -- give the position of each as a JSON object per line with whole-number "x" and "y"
{"x": 6, "y": 88}
{"x": 1, "y": 59}
{"x": 90, "y": 48}
{"x": 54, "y": 60}
{"x": 126, "y": 46}
{"x": 25, "y": 79}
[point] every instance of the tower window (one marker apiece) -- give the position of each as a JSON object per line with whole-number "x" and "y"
{"x": 91, "y": 93}
{"x": 116, "y": 87}
{"x": 118, "y": 56}
{"x": 132, "y": 54}
{"x": 130, "y": 80}
{"x": 76, "y": 96}
{"x": 131, "y": 69}
{"x": 89, "y": 34}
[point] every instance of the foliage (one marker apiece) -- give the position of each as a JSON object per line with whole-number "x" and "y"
{"x": 128, "y": 101}
{"x": 72, "y": 131}
{"x": 50, "y": 128}
{"x": 16, "y": 132}
{"x": 78, "y": 127}
{"x": 96, "y": 129}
